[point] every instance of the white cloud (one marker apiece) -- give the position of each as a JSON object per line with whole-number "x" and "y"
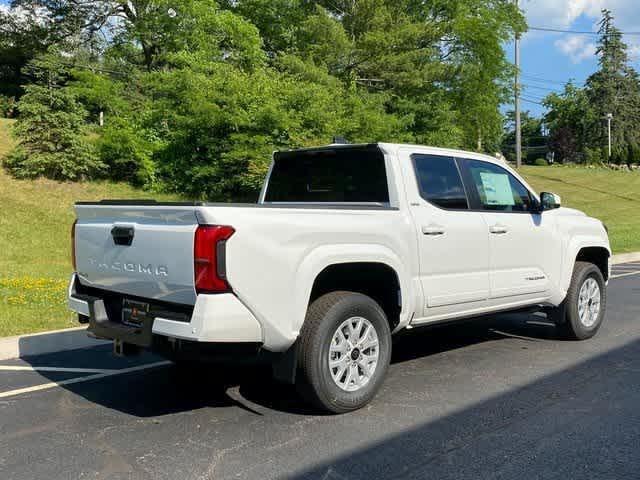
{"x": 559, "y": 13}
{"x": 563, "y": 14}
{"x": 576, "y": 47}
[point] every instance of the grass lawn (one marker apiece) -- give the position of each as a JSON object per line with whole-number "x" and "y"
{"x": 36, "y": 216}
{"x": 611, "y": 196}
{"x": 35, "y": 221}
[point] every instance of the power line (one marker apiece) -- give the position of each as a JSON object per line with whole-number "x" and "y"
{"x": 580, "y": 32}
{"x": 533, "y": 78}
{"x": 531, "y": 101}
{"x": 526, "y": 85}
{"x": 533, "y": 96}
{"x": 535, "y": 100}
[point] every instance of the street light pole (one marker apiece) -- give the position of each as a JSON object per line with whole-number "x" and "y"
{"x": 517, "y": 101}
{"x": 609, "y": 118}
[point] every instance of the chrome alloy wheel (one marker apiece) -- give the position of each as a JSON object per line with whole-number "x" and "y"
{"x": 589, "y": 302}
{"x": 353, "y": 354}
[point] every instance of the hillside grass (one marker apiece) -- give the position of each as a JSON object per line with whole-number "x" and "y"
{"x": 36, "y": 217}
{"x": 35, "y": 263}
{"x": 611, "y": 196}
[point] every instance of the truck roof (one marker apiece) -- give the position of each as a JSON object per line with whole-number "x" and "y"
{"x": 394, "y": 147}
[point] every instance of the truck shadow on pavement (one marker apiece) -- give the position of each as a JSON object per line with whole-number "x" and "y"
{"x": 169, "y": 389}
{"x": 411, "y": 345}
{"x": 580, "y": 421}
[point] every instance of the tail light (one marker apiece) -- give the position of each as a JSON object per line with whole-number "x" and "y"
{"x": 209, "y": 262}
{"x": 73, "y": 244}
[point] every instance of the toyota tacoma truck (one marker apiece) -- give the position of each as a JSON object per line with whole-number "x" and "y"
{"x": 346, "y": 246}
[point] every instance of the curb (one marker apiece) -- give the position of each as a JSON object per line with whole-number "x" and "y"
{"x": 76, "y": 338}
{"x": 46, "y": 342}
{"x": 625, "y": 258}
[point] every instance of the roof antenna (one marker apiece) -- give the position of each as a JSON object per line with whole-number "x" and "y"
{"x": 339, "y": 140}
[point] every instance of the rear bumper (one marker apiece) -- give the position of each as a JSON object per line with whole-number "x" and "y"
{"x": 77, "y": 302}
{"x": 219, "y": 318}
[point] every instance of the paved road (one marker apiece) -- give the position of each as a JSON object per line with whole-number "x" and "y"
{"x": 498, "y": 398}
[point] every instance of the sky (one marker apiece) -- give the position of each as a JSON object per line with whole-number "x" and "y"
{"x": 548, "y": 60}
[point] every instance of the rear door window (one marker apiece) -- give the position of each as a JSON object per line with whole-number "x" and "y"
{"x": 439, "y": 181}
{"x": 342, "y": 175}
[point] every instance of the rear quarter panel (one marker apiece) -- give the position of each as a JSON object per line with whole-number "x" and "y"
{"x": 276, "y": 254}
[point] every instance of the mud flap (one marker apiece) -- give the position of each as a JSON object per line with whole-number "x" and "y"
{"x": 285, "y": 366}
{"x": 557, "y": 315}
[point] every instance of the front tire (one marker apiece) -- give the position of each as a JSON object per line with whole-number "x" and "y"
{"x": 344, "y": 351}
{"x": 585, "y": 303}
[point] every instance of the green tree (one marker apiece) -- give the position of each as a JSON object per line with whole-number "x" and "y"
{"x": 198, "y": 93}
{"x": 52, "y": 133}
{"x": 577, "y": 116}
{"x": 441, "y": 63}
{"x": 22, "y": 37}
{"x": 614, "y": 89}
{"x": 570, "y": 118}
{"x": 98, "y": 93}
{"x": 223, "y": 124}
{"x": 534, "y": 143}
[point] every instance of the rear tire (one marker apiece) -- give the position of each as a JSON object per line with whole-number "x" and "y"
{"x": 344, "y": 350}
{"x": 585, "y": 303}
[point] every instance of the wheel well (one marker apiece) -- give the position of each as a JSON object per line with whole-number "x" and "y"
{"x": 599, "y": 256}
{"x": 376, "y": 280}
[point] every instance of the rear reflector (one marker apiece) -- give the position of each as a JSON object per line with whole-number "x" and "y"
{"x": 209, "y": 258}
{"x": 73, "y": 244}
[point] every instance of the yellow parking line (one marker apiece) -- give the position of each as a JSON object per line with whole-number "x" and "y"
{"x": 47, "y": 386}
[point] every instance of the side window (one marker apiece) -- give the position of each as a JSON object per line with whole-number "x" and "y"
{"x": 439, "y": 181}
{"x": 497, "y": 189}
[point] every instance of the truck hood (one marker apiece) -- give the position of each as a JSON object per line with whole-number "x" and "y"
{"x": 570, "y": 212}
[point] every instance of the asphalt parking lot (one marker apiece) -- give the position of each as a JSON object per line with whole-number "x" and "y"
{"x": 493, "y": 398}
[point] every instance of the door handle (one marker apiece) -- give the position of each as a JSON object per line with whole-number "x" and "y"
{"x": 433, "y": 230}
{"x": 498, "y": 229}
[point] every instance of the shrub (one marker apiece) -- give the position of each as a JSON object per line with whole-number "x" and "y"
{"x": 540, "y": 162}
{"x": 593, "y": 156}
{"x": 7, "y": 106}
{"x": 219, "y": 128}
{"x": 52, "y": 137}
{"x": 128, "y": 153}
{"x": 633, "y": 154}
{"x": 77, "y": 162}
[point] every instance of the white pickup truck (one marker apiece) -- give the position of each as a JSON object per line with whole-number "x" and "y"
{"x": 347, "y": 245}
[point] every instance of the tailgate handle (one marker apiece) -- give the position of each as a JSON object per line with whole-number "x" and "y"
{"x": 122, "y": 235}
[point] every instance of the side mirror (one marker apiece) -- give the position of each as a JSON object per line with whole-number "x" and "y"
{"x": 549, "y": 201}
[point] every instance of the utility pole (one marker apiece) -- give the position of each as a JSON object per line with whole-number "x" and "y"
{"x": 609, "y": 118}
{"x": 517, "y": 102}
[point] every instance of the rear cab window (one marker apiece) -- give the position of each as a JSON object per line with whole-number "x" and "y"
{"x": 329, "y": 175}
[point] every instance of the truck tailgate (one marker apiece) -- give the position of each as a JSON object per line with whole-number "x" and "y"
{"x": 141, "y": 251}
